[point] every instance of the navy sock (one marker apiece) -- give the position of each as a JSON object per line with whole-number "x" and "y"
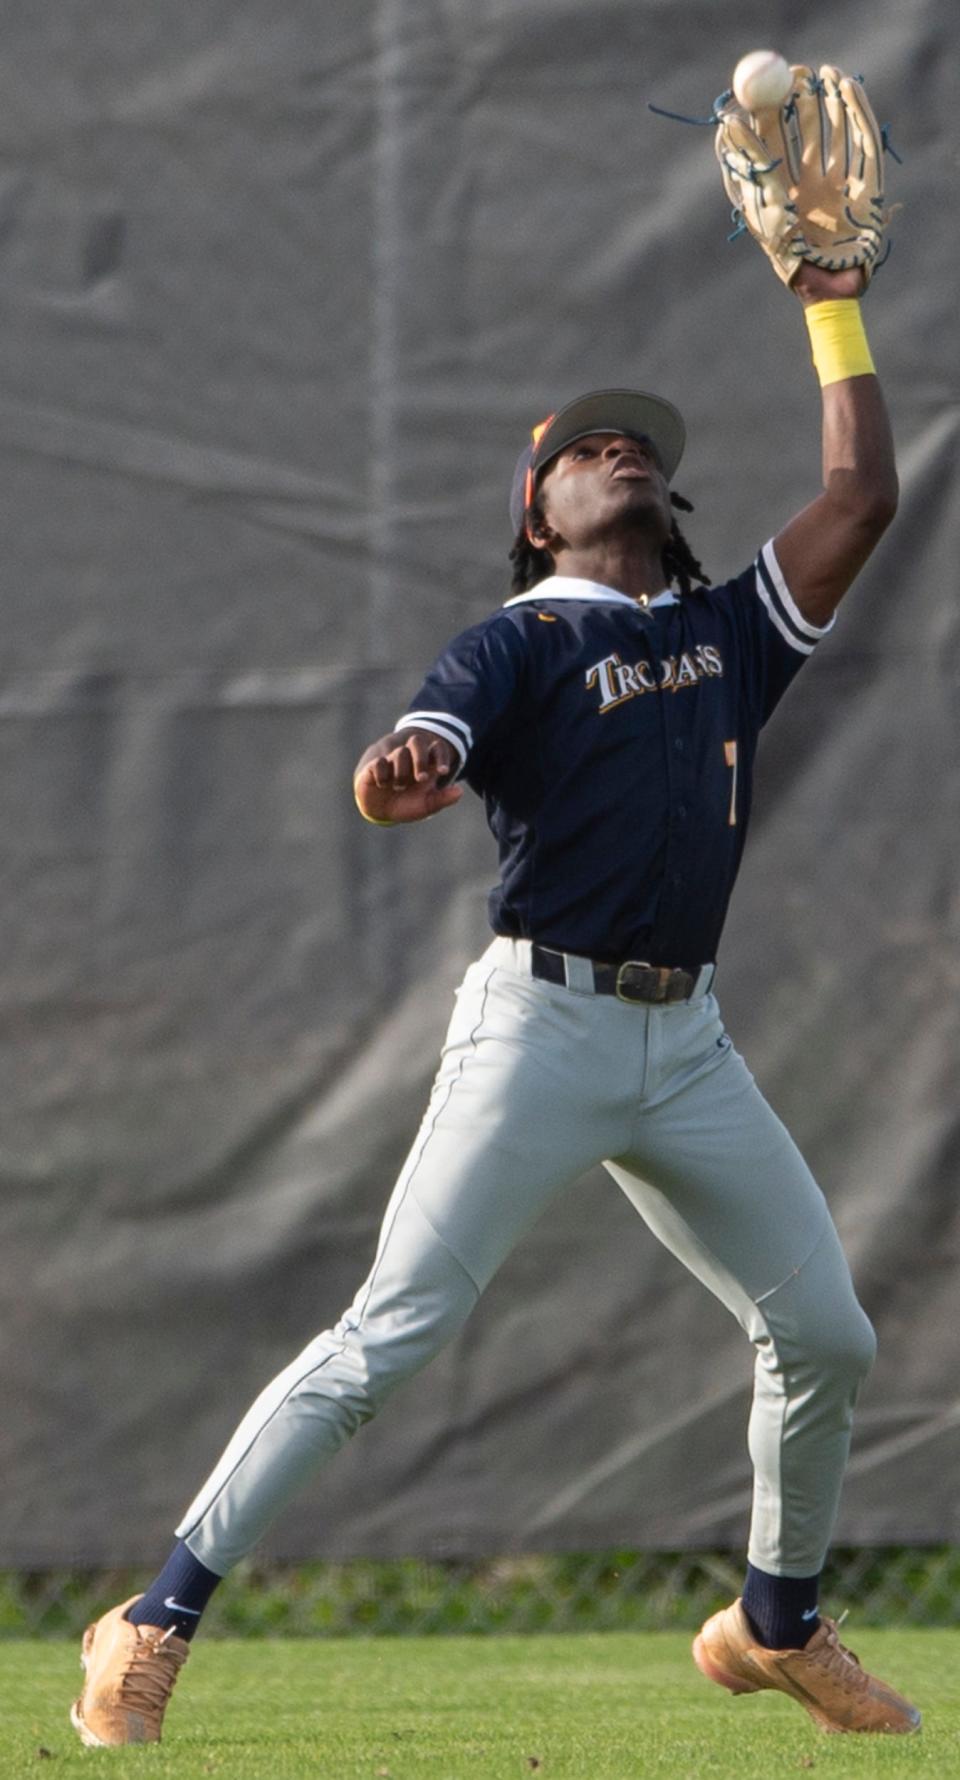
{"x": 781, "y": 1609}
{"x": 176, "y": 1599}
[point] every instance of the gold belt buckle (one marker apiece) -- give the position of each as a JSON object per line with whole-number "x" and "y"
{"x": 646, "y": 980}
{"x": 654, "y": 983}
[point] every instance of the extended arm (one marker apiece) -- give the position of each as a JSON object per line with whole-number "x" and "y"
{"x": 824, "y": 547}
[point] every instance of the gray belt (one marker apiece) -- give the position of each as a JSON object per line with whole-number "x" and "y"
{"x": 631, "y": 981}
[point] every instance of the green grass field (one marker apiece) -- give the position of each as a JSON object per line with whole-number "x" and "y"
{"x": 598, "y": 1706}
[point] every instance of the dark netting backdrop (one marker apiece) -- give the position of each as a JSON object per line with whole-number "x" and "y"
{"x": 283, "y": 286}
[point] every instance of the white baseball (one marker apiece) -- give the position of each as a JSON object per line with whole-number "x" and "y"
{"x": 761, "y": 80}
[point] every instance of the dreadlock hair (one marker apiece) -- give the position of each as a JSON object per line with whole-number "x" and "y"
{"x": 680, "y": 566}
{"x": 530, "y": 565}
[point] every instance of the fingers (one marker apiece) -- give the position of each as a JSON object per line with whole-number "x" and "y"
{"x": 809, "y": 132}
{"x": 800, "y": 110}
{"x": 388, "y": 805}
{"x": 837, "y": 159}
{"x": 389, "y": 772}
{"x": 753, "y": 179}
{"x": 746, "y": 153}
{"x": 420, "y": 759}
{"x": 382, "y": 771}
{"x": 865, "y": 155}
{"x": 855, "y": 144}
{"x": 433, "y": 758}
{"x": 855, "y": 128}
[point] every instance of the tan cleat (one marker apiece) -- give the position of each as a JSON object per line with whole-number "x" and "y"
{"x": 824, "y": 1677}
{"x": 130, "y": 1672}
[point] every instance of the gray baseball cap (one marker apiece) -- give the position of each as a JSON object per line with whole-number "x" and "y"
{"x": 629, "y": 411}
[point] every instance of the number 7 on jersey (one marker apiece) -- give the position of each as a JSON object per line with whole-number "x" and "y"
{"x": 730, "y": 756}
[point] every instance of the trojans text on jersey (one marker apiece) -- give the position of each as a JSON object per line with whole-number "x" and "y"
{"x": 615, "y": 681}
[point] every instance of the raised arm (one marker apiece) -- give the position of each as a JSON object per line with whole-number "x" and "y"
{"x": 404, "y": 777}
{"x": 825, "y": 546}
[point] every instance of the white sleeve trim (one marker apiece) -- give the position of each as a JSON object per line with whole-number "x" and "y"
{"x": 450, "y": 729}
{"x": 789, "y": 636}
{"x": 768, "y": 558}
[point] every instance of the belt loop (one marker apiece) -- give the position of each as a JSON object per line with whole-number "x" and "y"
{"x": 521, "y": 955}
{"x": 578, "y": 973}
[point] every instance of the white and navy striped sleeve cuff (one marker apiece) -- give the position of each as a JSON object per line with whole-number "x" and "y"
{"x": 441, "y": 723}
{"x": 782, "y": 609}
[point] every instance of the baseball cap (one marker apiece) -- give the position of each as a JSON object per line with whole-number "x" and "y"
{"x": 629, "y": 411}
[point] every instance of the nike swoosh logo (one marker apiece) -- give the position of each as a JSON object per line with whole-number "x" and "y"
{"x": 175, "y": 1607}
{"x": 792, "y": 1685}
{"x": 814, "y": 1611}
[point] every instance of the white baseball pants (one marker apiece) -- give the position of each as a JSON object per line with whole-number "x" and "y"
{"x": 537, "y": 1083}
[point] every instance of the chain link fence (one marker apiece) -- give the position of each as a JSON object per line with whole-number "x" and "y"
{"x": 600, "y": 1591}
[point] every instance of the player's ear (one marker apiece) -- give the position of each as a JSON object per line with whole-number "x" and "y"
{"x": 538, "y": 531}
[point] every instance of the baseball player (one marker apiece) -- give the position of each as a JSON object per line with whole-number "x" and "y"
{"x": 608, "y": 714}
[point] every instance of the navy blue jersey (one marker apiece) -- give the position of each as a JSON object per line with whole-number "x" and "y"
{"x": 613, "y": 745}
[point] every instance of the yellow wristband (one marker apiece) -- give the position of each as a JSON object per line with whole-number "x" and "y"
{"x": 374, "y": 821}
{"x": 838, "y": 341}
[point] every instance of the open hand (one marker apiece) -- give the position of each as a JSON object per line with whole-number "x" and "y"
{"x": 405, "y": 777}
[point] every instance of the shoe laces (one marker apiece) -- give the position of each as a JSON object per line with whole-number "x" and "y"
{"x": 841, "y": 1663}
{"x": 147, "y": 1681}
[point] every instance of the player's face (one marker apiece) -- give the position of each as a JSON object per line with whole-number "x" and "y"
{"x": 603, "y": 481}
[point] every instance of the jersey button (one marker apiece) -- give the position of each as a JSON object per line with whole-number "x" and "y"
{"x": 678, "y": 744}
{"x": 681, "y": 812}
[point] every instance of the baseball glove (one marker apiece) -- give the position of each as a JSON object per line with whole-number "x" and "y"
{"x": 806, "y": 178}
